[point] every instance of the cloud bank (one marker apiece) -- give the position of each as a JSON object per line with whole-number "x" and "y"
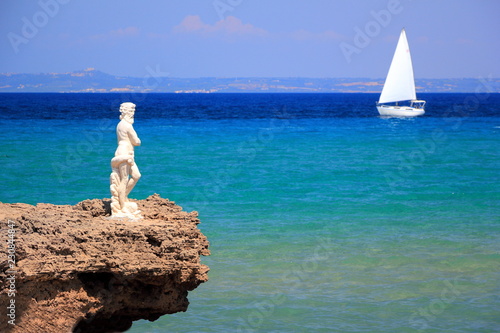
{"x": 231, "y": 25}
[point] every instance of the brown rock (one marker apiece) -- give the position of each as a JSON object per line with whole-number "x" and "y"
{"x": 77, "y": 271}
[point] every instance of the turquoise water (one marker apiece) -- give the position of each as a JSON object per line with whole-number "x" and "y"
{"x": 320, "y": 224}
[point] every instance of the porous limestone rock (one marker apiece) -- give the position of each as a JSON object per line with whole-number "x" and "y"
{"x": 76, "y": 271}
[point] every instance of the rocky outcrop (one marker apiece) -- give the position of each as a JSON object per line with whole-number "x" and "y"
{"x": 77, "y": 271}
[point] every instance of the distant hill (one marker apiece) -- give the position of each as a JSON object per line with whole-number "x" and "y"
{"x": 91, "y": 80}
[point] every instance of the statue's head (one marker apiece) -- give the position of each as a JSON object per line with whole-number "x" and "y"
{"x": 127, "y": 110}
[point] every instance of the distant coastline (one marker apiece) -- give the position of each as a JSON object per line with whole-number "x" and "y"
{"x": 94, "y": 81}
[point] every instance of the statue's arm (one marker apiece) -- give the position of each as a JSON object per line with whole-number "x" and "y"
{"x": 134, "y": 139}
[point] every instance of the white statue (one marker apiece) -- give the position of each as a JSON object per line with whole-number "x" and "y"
{"x": 125, "y": 172}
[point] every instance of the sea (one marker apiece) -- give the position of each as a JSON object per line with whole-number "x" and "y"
{"x": 322, "y": 216}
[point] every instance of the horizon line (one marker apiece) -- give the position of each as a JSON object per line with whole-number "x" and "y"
{"x": 244, "y": 77}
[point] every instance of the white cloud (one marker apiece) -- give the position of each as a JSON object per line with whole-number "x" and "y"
{"x": 304, "y": 35}
{"x": 116, "y": 34}
{"x": 233, "y": 26}
{"x": 229, "y": 26}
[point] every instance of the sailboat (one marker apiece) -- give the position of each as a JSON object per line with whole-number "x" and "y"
{"x": 400, "y": 85}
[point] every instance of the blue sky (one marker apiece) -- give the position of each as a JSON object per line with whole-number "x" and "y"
{"x": 250, "y": 38}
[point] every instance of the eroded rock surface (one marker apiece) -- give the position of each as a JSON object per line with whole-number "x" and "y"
{"x": 77, "y": 271}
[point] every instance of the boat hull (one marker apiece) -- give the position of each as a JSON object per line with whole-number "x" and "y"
{"x": 399, "y": 111}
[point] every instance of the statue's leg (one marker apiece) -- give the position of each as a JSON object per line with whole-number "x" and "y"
{"x": 135, "y": 175}
{"x": 122, "y": 187}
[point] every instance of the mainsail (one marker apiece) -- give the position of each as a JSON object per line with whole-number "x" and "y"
{"x": 399, "y": 84}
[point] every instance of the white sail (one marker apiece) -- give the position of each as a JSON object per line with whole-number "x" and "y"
{"x": 399, "y": 84}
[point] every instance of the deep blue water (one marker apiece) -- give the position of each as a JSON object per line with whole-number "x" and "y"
{"x": 322, "y": 216}
{"x": 231, "y": 106}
